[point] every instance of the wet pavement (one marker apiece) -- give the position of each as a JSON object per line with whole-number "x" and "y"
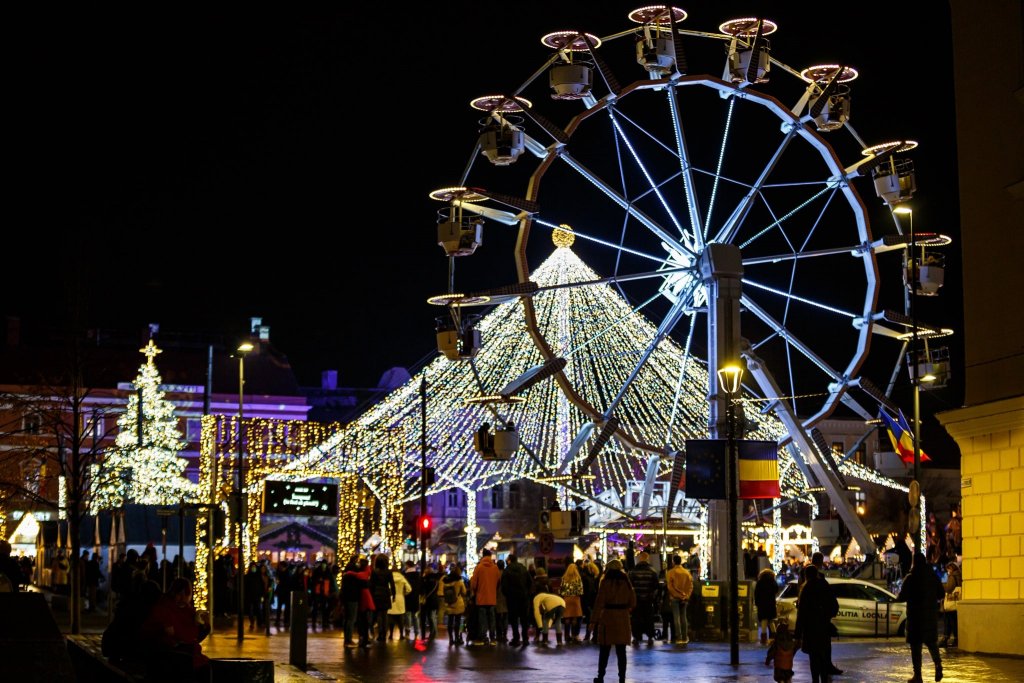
{"x": 864, "y": 660}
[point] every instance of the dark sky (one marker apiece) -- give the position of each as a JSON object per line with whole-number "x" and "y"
{"x": 197, "y": 168}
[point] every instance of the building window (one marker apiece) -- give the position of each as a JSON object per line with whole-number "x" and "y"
{"x": 193, "y": 429}
{"x": 838, "y": 449}
{"x": 513, "y": 496}
{"x": 31, "y": 424}
{"x": 861, "y": 456}
{"x": 453, "y": 498}
{"x": 497, "y": 498}
{"x": 92, "y": 425}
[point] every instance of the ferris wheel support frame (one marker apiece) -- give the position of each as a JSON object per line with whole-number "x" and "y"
{"x": 812, "y": 463}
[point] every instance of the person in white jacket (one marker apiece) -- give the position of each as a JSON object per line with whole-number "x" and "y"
{"x": 397, "y": 611}
{"x": 548, "y": 607}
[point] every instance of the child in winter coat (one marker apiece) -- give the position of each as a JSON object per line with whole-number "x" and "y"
{"x": 782, "y": 648}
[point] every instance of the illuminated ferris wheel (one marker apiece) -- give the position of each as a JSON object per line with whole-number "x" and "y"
{"x": 722, "y": 207}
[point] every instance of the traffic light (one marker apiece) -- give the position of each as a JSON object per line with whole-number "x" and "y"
{"x": 425, "y": 525}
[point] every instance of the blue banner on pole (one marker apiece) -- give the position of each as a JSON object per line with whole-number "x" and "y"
{"x": 705, "y": 469}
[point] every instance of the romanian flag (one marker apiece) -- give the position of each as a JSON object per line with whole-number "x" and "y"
{"x": 901, "y": 436}
{"x": 759, "y": 469}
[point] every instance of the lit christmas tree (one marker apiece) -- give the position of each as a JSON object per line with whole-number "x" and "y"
{"x": 150, "y": 473}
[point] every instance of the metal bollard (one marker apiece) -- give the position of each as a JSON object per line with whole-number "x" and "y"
{"x": 298, "y": 619}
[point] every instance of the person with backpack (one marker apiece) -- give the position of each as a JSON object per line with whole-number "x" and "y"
{"x": 781, "y": 650}
{"x": 453, "y": 589}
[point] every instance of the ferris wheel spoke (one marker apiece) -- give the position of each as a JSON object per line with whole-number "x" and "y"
{"x": 668, "y": 323}
{"x": 790, "y": 338}
{"x": 789, "y": 296}
{"x": 686, "y": 166}
{"x": 727, "y": 233}
{"x": 781, "y": 222}
{"x": 853, "y": 249}
{"x": 718, "y": 165}
{"x": 629, "y": 207}
{"x": 684, "y": 361}
{"x": 587, "y": 237}
{"x": 654, "y": 186}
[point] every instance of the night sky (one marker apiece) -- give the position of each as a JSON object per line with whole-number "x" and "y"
{"x": 197, "y": 168}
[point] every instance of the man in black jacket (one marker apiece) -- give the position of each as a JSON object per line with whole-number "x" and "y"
{"x": 645, "y": 584}
{"x": 515, "y": 584}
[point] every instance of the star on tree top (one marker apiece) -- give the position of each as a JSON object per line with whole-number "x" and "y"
{"x": 150, "y": 350}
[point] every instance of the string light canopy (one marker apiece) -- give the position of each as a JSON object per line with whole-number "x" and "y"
{"x": 546, "y": 421}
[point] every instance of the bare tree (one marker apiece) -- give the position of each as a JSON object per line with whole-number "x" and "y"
{"x": 56, "y": 422}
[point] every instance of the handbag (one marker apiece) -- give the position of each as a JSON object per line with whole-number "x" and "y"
{"x": 949, "y": 602}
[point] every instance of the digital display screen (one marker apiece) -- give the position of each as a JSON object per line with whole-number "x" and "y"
{"x": 300, "y": 498}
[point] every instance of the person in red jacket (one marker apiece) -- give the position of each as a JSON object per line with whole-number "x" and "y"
{"x": 484, "y": 585}
{"x": 173, "y": 626}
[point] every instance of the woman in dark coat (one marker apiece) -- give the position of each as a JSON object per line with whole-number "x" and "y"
{"x": 764, "y": 599}
{"x": 612, "y": 606}
{"x": 382, "y": 587}
{"x": 816, "y": 606}
{"x": 922, "y": 591}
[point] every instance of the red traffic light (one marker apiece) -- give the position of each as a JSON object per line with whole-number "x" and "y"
{"x": 424, "y": 524}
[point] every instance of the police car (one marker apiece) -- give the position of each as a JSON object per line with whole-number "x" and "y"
{"x": 864, "y": 608}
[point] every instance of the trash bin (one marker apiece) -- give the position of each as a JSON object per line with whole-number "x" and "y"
{"x": 748, "y": 612}
{"x": 241, "y": 670}
{"x": 710, "y": 608}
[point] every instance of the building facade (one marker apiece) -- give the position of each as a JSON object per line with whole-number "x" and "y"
{"x": 987, "y": 38}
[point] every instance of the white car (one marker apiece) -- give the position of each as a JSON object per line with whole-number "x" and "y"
{"x": 864, "y": 608}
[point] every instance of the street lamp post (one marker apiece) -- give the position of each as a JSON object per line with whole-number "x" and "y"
{"x": 729, "y": 382}
{"x": 240, "y": 512}
{"x": 915, "y": 381}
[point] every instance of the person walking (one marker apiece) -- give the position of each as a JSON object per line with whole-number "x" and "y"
{"x": 781, "y": 650}
{"x": 953, "y": 587}
{"x": 922, "y": 590}
{"x": 612, "y": 606}
{"x": 818, "y": 560}
{"x": 515, "y": 584}
{"x": 484, "y": 586}
{"x": 429, "y": 587}
{"x": 816, "y": 605}
{"x": 764, "y": 599}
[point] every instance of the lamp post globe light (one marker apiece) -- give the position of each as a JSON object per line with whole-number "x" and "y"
{"x": 240, "y": 508}
{"x": 729, "y": 377}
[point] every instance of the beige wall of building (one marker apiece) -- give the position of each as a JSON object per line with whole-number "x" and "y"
{"x": 989, "y": 80}
{"x": 991, "y": 439}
